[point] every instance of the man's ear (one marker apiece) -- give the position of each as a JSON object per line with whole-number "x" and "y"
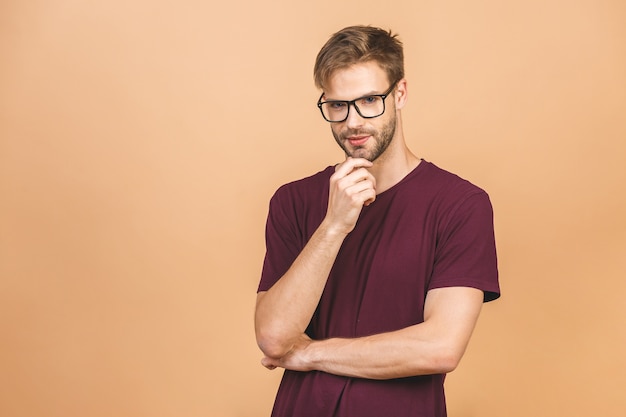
{"x": 401, "y": 93}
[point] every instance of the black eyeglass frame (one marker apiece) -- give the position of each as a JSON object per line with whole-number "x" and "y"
{"x": 353, "y": 104}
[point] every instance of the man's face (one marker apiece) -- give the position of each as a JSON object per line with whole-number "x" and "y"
{"x": 357, "y": 136}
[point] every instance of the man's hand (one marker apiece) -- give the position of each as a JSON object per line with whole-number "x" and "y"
{"x": 294, "y": 360}
{"x": 352, "y": 186}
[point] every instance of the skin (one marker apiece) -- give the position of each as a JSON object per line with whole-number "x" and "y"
{"x": 379, "y": 140}
{"x": 376, "y": 158}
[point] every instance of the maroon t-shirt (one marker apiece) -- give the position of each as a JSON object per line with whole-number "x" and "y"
{"x": 431, "y": 230}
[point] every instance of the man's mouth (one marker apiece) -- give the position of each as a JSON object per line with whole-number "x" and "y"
{"x": 358, "y": 140}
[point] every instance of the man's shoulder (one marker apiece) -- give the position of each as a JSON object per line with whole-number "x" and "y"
{"x": 447, "y": 181}
{"x": 320, "y": 177}
{"x": 307, "y": 187}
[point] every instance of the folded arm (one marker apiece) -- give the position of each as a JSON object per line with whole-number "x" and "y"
{"x": 431, "y": 347}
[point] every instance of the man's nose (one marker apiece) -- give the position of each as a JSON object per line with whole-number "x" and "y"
{"x": 354, "y": 119}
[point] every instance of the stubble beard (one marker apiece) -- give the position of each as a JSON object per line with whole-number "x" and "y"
{"x": 382, "y": 139}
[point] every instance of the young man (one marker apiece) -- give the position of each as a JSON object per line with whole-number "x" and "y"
{"x": 376, "y": 268}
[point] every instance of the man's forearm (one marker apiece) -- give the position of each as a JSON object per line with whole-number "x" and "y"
{"x": 383, "y": 356}
{"x": 285, "y": 310}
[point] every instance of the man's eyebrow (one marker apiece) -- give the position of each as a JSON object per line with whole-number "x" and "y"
{"x": 371, "y": 93}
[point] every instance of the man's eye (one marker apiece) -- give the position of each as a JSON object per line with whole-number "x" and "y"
{"x": 337, "y": 105}
{"x": 368, "y": 100}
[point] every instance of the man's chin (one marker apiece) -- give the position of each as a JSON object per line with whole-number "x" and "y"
{"x": 359, "y": 153}
{"x": 356, "y": 152}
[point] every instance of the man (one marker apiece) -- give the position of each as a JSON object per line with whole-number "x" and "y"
{"x": 376, "y": 268}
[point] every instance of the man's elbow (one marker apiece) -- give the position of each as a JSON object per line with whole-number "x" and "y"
{"x": 446, "y": 361}
{"x": 272, "y": 344}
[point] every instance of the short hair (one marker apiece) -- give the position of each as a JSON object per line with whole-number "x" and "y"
{"x": 357, "y": 44}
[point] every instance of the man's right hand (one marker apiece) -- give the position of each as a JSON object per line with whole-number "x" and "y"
{"x": 352, "y": 186}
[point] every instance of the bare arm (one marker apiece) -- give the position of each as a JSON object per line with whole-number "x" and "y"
{"x": 434, "y": 346}
{"x": 283, "y": 313}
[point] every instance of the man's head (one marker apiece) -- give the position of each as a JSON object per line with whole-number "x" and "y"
{"x": 360, "y": 71}
{"x": 359, "y": 44}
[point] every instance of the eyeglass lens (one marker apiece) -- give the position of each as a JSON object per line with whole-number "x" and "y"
{"x": 371, "y": 106}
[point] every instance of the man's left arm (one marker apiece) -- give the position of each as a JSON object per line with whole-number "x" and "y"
{"x": 434, "y": 346}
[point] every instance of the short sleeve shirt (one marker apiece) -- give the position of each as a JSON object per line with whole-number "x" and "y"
{"x": 430, "y": 230}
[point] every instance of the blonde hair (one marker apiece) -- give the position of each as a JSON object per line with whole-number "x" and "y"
{"x": 356, "y": 44}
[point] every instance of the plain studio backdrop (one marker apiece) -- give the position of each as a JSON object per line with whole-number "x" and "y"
{"x": 140, "y": 142}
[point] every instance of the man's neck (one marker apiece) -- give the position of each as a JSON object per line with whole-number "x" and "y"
{"x": 394, "y": 165}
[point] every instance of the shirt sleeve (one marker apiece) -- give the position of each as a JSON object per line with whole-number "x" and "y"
{"x": 282, "y": 240}
{"x": 466, "y": 253}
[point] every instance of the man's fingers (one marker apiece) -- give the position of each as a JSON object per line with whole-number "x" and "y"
{"x": 370, "y": 200}
{"x": 351, "y": 187}
{"x": 351, "y": 172}
{"x": 266, "y": 362}
{"x": 356, "y": 183}
{"x": 362, "y": 190}
{"x": 350, "y": 164}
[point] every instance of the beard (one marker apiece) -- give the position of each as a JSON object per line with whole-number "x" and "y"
{"x": 382, "y": 139}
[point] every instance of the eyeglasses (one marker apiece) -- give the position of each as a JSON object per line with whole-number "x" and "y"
{"x": 368, "y": 107}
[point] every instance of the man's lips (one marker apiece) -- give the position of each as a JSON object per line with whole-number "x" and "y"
{"x": 358, "y": 140}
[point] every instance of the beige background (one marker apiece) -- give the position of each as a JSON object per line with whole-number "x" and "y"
{"x": 140, "y": 142}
